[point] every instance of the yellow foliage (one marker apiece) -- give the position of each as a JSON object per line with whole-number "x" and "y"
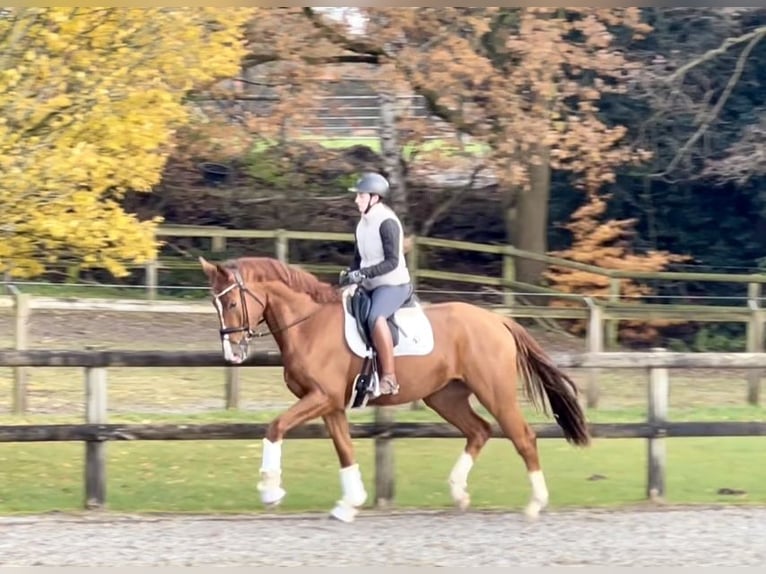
{"x": 89, "y": 101}
{"x": 605, "y": 245}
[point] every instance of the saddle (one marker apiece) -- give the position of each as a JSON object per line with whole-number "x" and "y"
{"x": 358, "y": 306}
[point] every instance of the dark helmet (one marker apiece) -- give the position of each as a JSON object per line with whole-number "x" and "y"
{"x": 372, "y": 183}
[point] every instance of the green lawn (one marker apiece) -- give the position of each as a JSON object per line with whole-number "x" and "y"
{"x": 220, "y": 476}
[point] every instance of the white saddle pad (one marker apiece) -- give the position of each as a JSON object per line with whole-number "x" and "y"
{"x": 416, "y": 336}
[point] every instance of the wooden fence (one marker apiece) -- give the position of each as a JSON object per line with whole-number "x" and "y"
{"x": 603, "y": 316}
{"x": 506, "y": 282}
{"x": 97, "y": 432}
{"x": 596, "y": 314}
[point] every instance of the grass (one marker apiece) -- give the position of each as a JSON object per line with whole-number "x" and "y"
{"x": 220, "y": 476}
{"x": 171, "y": 389}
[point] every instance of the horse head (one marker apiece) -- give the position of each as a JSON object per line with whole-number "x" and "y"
{"x": 230, "y": 296}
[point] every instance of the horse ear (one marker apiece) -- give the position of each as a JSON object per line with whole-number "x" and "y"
{"x": 213, "y": 270}
{"x": 210, "y": 269}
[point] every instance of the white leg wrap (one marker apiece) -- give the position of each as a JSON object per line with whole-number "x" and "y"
{"x": 272, "y": 455}
{"x": 354, "y": 494}
{"x": 458, "y": 480}
{"x": 353, "y": 487}
{"x": 271, "y": 473}
{"x": 539, "y": 499}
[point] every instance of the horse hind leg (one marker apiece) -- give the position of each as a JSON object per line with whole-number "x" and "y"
{"x": 452, "y": 403}
{"x": 507, "y": 412}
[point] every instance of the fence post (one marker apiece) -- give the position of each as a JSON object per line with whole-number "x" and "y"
{"x": 755, "y": 339}
{"x": 21, "y": 374}
{"x": 217, "y": 243}
{"x": 384, "y": 458}
{"x": 151, "y": 272}
{"x": 595, "y": 344}
{"x": 281, "y": 245}
{"x": 611, "y": 327}
{"x": 509, "y": 275}
{"x": 232, "y": 387}
{"x": 657, "y": 415}
{"x": 95, "y": 451}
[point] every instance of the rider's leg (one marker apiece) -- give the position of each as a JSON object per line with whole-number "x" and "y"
{"x": 386, "y": 300}
{"x": 384, "y": 345}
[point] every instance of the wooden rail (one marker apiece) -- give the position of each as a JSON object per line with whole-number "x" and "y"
{"x": 615, "y": 308}
{"x": 97, "y": 432}
{"x": 597, "y": 316}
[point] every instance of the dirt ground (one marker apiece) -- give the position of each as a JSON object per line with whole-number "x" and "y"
{"x": 138, "y": 330}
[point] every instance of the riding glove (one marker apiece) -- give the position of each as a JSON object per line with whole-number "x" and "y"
{"x": 355, "y": 276}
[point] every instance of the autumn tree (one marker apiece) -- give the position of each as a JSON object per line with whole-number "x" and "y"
{"x": 526, "y": 82}
{"x": 606, "y": 244}
{"x": 89, "y": 101}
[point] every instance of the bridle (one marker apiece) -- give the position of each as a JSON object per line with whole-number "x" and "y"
{"x": 245, "y": 327}
{"x": 243, "y": 290}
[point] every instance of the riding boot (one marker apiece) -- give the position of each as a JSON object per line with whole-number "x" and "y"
{"x": 384, "y": 347}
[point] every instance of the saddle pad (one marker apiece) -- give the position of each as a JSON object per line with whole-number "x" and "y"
{"x": 415, "y": 333}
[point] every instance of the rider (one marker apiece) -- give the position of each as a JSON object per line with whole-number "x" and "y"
{"x": 380, "y": 267}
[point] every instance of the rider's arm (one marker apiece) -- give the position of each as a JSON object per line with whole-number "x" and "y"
{"x": 389, "y": 236}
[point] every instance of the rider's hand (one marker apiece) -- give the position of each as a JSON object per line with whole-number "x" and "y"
{"x": 348, "y": 277}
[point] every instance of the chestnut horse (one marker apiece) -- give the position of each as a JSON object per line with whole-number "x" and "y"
{"x": 473, "y": 351}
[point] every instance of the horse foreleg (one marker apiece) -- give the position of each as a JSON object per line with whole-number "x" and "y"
{"x": 354, "y": 494}
{"x": 311, "y": 405}
{"x": 452, "y": 403}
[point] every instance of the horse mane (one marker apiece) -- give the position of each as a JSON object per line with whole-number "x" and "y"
{"x": 269, "y": 269}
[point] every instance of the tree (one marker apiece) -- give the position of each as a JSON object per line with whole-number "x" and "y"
{"x": 697, "y": 97}
{"x": 527, "y": 82}
{"x": 89, "y": 101}
{"x": 606, "y": 244}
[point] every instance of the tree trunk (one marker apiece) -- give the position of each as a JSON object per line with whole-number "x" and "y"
{"x": 391, "y": 154}
{"x": 526, "y": 217}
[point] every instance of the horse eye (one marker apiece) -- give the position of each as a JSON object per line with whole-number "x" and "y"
{"x": 232, "y": 305}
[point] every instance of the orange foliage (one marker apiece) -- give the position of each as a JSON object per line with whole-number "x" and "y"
{"x": 606, "y": 245}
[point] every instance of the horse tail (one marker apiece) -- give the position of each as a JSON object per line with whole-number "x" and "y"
{"x": 542, "y": 377}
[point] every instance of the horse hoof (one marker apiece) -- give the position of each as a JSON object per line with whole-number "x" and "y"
{"x": 463, "y": 502}
{"x": 532, "y": 511}
{"x": 344, "y": 513}
{"x": 272, "y": 498}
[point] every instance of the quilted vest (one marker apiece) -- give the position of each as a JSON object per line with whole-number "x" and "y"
{"x": 371, "y": 247}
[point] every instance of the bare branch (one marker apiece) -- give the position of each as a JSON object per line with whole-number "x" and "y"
{"x": 715, "y": 111}
{"x": 745, "y": 158}
{"x": 334, "y": 35}
{"x": 756, "y": 35}
{"x": 455, "y": 196}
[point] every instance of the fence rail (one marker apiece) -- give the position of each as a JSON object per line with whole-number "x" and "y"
{"x": 597, "y": 315}
{"x": 97, "y": 432}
